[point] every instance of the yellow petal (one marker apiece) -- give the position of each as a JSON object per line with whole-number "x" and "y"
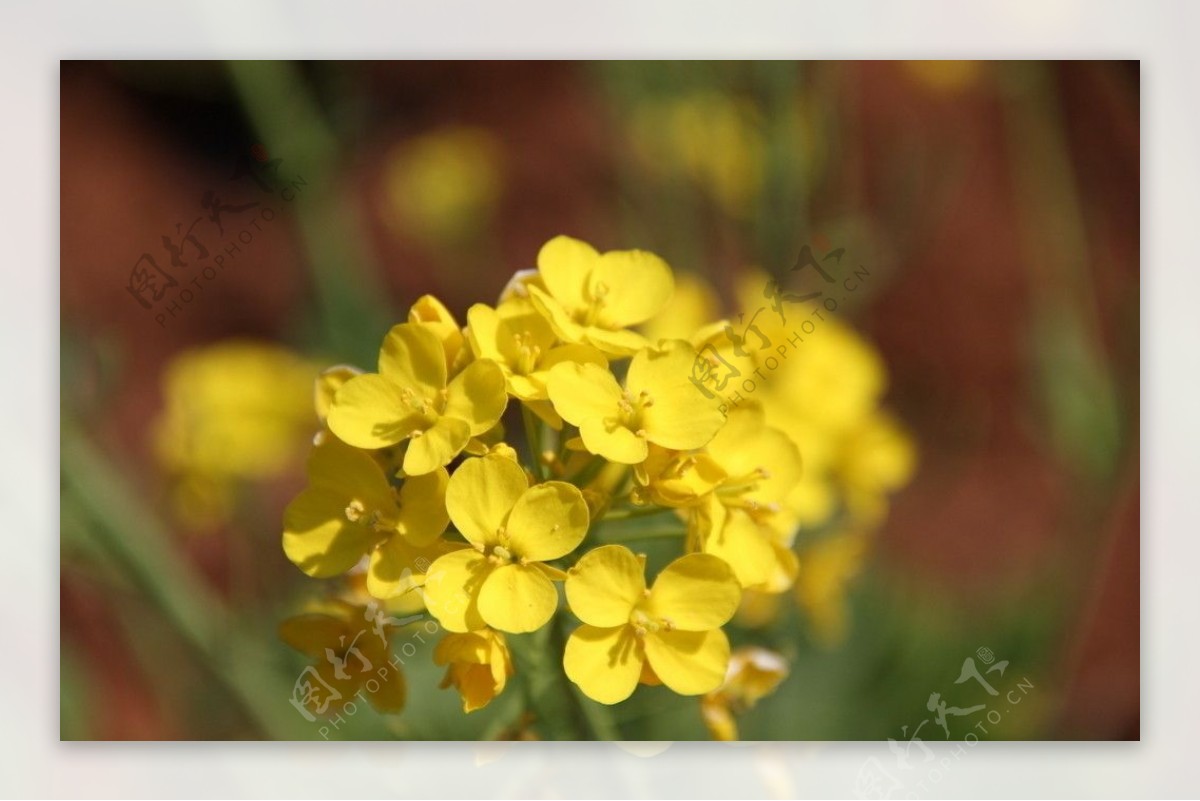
{"x": 369, "y": 411}
{"x": 580, "y": 354}
{"x": 548, "y": 521}
{"x": 746, "y": 548}
{"x": 318, "y": 537}
{"x": 517, "y": 599}
{"x": 582, "y": 392}
{"x": 545, "y": 412}
{"x": 336, "y": 466}
{"x": 482, "y": 325}
{"x": 397, "y": 566}
{"x": 633, "y": 284}
{"x": 471, "y": 647}
{"x": 696, "y": 592}
{"x": 452, "y": 589}
{"x": 533, "y": 386}
{"x": 433, "y": 315}
{"x": 480, "y": 495}
{"x": 605, "y": 662}
{"x": 327, "y": 385}
{"x": 604, "y": 586}
{"x": 559, "y": 318}
{"x": 436, "y": 446}
{"x": 681, "y": 417}
{"x": 477, "y": 395}
{"x": 689, "y": 662}
{"x": 615, "y": 343}
{"x": 412, "y": 356}
{"x": 423, "y": 514}
{"x": 784, "y": 571}
{"x": 523, "y": 334}
{"x": 564, "y": 264}
{"x": 311, "y": 634}
{"x": 613, "y": 441}
{"x": 475, "y": 683}
{"x": 746, "y": 444}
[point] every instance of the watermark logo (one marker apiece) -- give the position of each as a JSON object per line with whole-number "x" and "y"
{"x": 716, "y": 377}
{"x": 318, "y": 699}
{"x": 922, "y": 769}
{"x": 164, "y": 282}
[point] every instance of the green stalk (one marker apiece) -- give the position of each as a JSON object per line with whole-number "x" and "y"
{"x": 538, "y": 661}
{"x": 644, "y": 534}
{"x": 630, "y": 514}
{"x": 282, "y": 111}
{"x": 533, "y": 437}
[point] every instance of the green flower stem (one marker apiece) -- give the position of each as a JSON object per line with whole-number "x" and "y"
{"x": 533, "y": 437}
{"x": 643, "y": 534}
{"x": 548, "y": 693}
{"x": 635, "y": 512}
{"x": 277, "y": 102}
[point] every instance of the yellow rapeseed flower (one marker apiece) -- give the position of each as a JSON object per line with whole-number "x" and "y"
{"x": 746, "y": 520}
{"x": 592, "y": 298}
{"x": 433, "y": 314}
{"x": 443, "y": 185}
{"x": 674, "y": 627}
{"x": 516, "y": 337}
{"x": 478, "y": 665}
{"x": 349, "y": 510}
{"x": 829, "y": 566}
{"x": 411, "y": 397}
{"x": 677, "y": 479}
{"x": 514, "y": 529}
{"x": 234, "y": 411}
{"x": 753, "y": 674}
{"x": 657, "y": 405}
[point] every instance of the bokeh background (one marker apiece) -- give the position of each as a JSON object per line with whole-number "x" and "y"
{"x": 995, "y": 204}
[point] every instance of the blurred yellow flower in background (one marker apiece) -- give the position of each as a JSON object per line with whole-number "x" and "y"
{"x": 829, "y": 565}
{"x": 715, "y": 140}
{"x": 444, "y": 185}
{"x": 753, "y": 674}
{"x": 234, "y": 411}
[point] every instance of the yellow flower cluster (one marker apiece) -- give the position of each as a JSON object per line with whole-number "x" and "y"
{"x": 823, "y": 394}
{"x": 413, "y": 483}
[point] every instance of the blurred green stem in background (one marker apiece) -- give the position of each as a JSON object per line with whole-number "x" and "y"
{"x": 352, "y": 318}
{"x": 107, "y": 513}
{"x": 781, "y": 220}
{"x": 1066, "y": 348}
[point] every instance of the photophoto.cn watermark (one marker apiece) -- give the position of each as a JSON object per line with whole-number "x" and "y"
{"x": 915, "y": 768}
{"x": 217, "y": 238}
{"x": 727, "y": 384}
{"x": 321, "y": 703}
